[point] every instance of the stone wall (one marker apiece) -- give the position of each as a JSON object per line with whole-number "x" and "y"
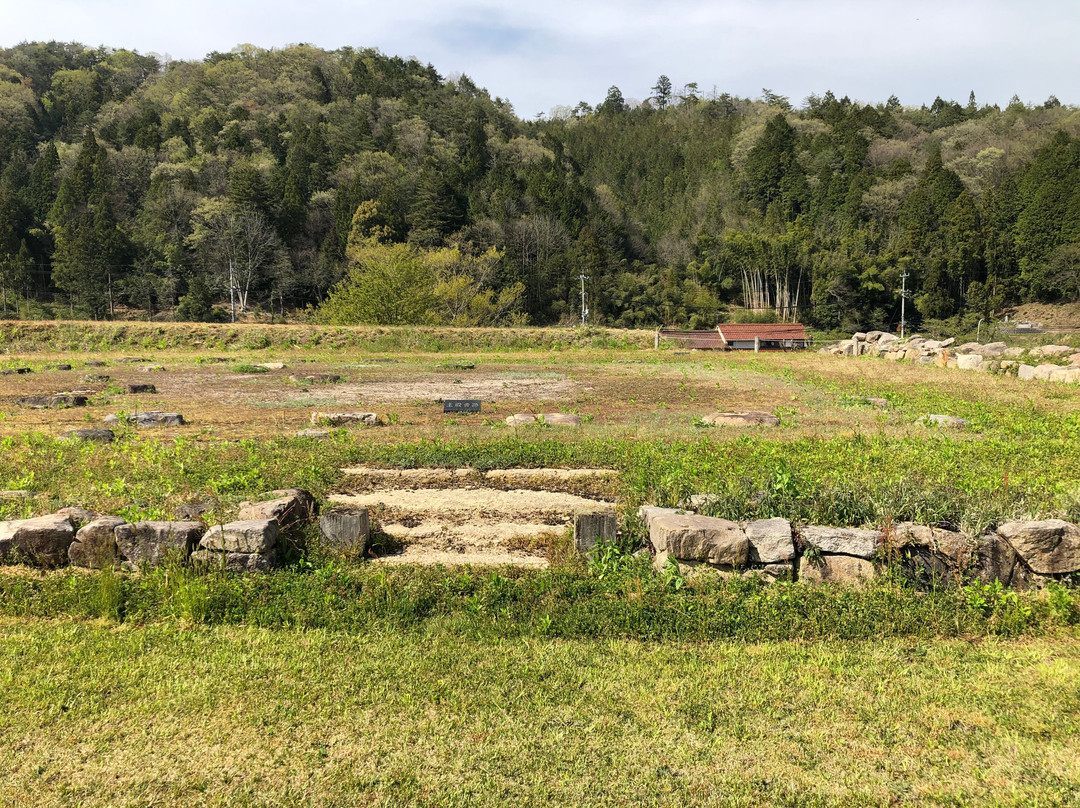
{"x": 1053, "y": 363}
{"x": 1021, "y": 554}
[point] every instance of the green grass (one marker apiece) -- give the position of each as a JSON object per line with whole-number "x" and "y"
{"x": 243, "y": 716}
{"x": 614, "y": 597}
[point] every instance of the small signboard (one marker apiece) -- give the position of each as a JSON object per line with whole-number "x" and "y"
{"x": 461, "y": 405}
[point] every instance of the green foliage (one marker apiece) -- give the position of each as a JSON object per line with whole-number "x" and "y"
{"x": 241, "y": 174}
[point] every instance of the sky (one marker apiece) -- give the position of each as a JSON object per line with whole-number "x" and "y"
{"x": 541, "y": 56}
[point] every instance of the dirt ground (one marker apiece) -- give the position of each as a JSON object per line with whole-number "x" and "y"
{"x": 617, "y": 394}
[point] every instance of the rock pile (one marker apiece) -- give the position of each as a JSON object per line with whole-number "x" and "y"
{"x": 991, "y": 357}
{"x": 1020, "y": 554}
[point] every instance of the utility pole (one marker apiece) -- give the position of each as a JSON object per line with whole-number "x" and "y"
{"x": 584, "y": 310}
{"x": 903, "y": 301}
{"x": 232, "y": 292}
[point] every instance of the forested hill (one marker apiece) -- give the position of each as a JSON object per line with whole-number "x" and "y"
{"x": 371, "y": 188}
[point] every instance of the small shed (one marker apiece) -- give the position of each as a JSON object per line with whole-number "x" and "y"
{"x": 763, "y": 336}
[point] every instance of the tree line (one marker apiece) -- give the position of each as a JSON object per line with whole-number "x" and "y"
{"x": 352, "y": 186}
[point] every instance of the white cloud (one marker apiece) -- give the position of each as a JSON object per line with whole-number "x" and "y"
{"x": 560, "y": 52}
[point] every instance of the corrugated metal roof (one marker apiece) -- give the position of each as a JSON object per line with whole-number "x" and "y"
{"x": 702, "y": 340}
{"x": 770, "y": 332}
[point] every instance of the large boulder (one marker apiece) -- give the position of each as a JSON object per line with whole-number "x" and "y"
{"x": 770, "y": 541}
{"x": 247, "y": 536}
{"x": 741, "y": 419}
{"x": 152, "y": 543}
{"x": 837, "y": 569}
{"x": 1050, "y": 547}
{"x": 1025, "y": 372}
{"x": 43, "y": 540}
{"x": 842, "y": 540}
{"x": 290, "y": 506}
{"x": 688, "y": 537}
{"x": 95, "y": 544}
{"x": 969, "y": 361}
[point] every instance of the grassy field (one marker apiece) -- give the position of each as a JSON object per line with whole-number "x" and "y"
{"x": 336, "y": 682}
{"x": 157, "y": 715}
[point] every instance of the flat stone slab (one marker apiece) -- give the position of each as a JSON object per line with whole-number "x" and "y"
{"x": 1049, "y": 547}
{"x": 245, "y": 536}
{"x": 317, "y": 378}
{"x": 137, "y": 389}
{"x": 317, "y": 434}
{"x": 741, "y": 419}
{"x": 271, "y": 365}
{"x": 843, "y": 540}
{"x": 949, "y": 421}
{"x": 149, "y": 419}
{"x": 95, "y": 435}
{"x": 561, "y": 419}
{"x": 58, "y": 367}
{"x": 343, "y": 418}
{"x": 57, "y": 401}
{"x": 549, "y": 418}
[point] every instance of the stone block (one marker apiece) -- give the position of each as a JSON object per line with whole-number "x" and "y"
{"x": 246, "y": 536}
{"x": 969, "y": 361}
{"x": 592, "y": 526}
{"x": 236, "y": 562}
{"x": 770, "y": 541}
{"x": 346, "y": 532}
{"x": 741, "y": 419}
{"x": 289, "y": 507}
{"x": 837, "y": 569}
{"x": 43, "y": 540}
{"x": 95, "y": 544}
{"x": 689, "y": 537}
{"x": 94, "y": 435}
{"x": 842, "y": 540}
{"x": 1049, "y": 547}
{"x": 152, "y": 543}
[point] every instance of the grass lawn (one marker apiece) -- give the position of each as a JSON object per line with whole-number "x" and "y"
{"x": 95, "y": 714}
